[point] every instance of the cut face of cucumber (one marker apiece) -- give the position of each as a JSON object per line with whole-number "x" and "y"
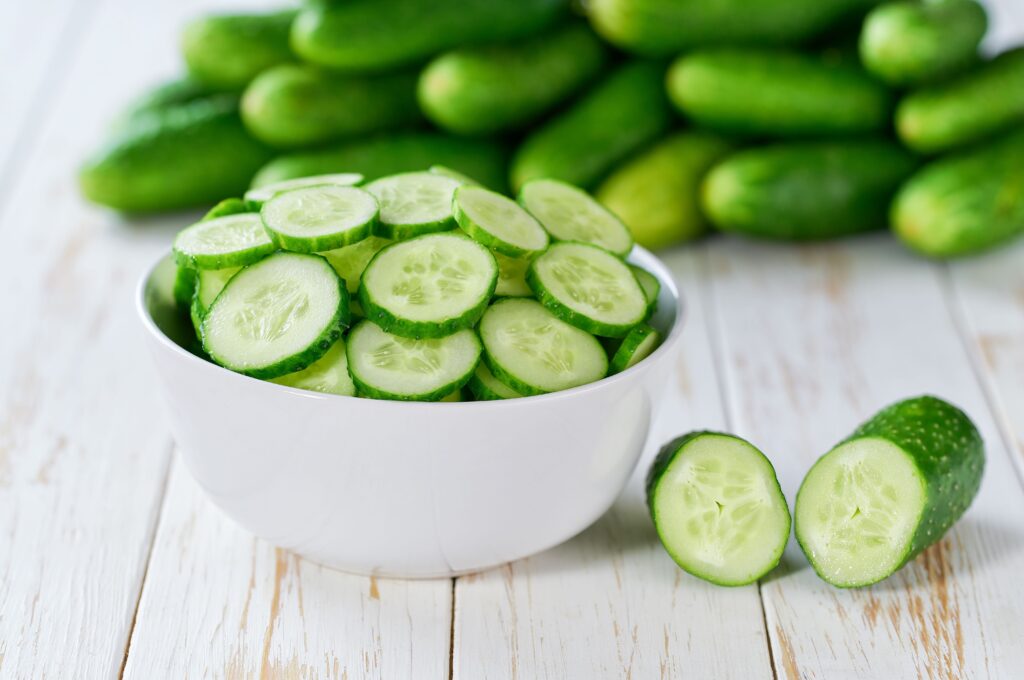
{"x": 387, "y": 366}
{"x": 571, "y": 214}
{"x": 498, "y": 222}
{"x": 430, "y": 286}
{"x": 512, "y": 276}
{"x": 268, "y": 191}
{"x": 350, "y": 261}
{"x": 486, "y": 387}
{"x": 532, "y": 351}
{"x": 635, "y": 347}
{"x": 718, "y": 508}
{"x": 231, "y": 241}
{"x": 650, "y": 285}
{"x": 317, "y": 218}
{"x": 328, "y": 374}
{"x": 414, "y": 203}
{"x": 589, "y": 288}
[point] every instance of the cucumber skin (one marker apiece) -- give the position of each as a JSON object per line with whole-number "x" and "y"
{"x": 777, "y": 93}
{"x": 229, "y": 206}
{"x": 481, "y": 90}
{"x": 294, "y": 105}
{"x": 228, "y": 50}
{"x": 617, "y": 117}
{"x": 966, "y": 202}
{"x": 968, "y": 109}
{"x": 157, "y": 99}
{"x": 624, "y": 352}
{"x": 373, "y": 35}
{"x": 910, "y": 43}
{"x": 806, "y": 191}
{"x": 947, "y": 450}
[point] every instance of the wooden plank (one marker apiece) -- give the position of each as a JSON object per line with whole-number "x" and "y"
{"x": 610, "y": 603}
{"x": 815, "y": 339}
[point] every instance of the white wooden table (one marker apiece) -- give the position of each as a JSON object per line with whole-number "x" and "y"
{"x": 112, "y": 562}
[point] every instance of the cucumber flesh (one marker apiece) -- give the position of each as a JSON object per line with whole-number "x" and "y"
{"x": 328, "y": 374}
{"x": 320, "y": 217}
{"x": 414, "y": 203}
{"x": 230, "y": 241}
{"x": 268, "y": 191}
{"x": 635, "y": 347}
{"x": 498, "y": 222}
{"x": 571, "y": 214}
{"x": 486, "y": 387}
{"x": 350, "y": 261}
{"x": 512, "y": 276}
{"x": 209, "y": 284}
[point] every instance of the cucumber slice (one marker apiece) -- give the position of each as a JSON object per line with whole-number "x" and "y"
{"x": 445, "y": 171}
{"x": 209, "y": 284}
{"x": 277, "y": 316}
{"x": 457, "y": 395}
{"x": 889, "y": 491}
{"x": 635, "y": 347}
{"x": 413, "y": 203}
{"x": 651, "y": 287}
{"x": 512, "y": 276}
{"x": 533, "y": 351}
{"x": 230, "y": 241}
{"x": 718, "y": 508}
{"x": 571, "y": 214}
{"x": 259, "y": 195}
{"x": 429, "y": 286}
{"x": 350, "y": 261}
{"x": 387, "y": 366}
{"x": 184, "y": 286}
{"x": 317, "y": 218}
{"x": 229, "y": 206}
{"x": 589, "y": 288}
{"x": 486, "y": 387}
{"x": 328, "y": 374}
{"x": 498, "y": 222}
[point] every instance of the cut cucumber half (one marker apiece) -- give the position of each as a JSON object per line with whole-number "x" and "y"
{"x": 429, "y": 286}
{"x": 413, "y": 203}
{"x": 718, "y": 508}
{"x": 387, "y": 366}
{"x": 486, "y": 387}
{"x": 571, "y": 214}
{"x": 635, "y": 347}
{"x": 258, "y": 195}
{"x": 498, "y": 222}
{"x": 209, "y": 284}
{"x": 350, "y": 261}
{"x": 277, "y": 316}
{"x": 651, "y": 287}
{"x": 459, "y": 177}
{"x": 328, "y": 374}
{"x": 589, "y": 288}
{"x": 533, "y": 351}
{"x": 892, "y": 489}
{"x": 318, "y": 218}
{"x": 230, "y": 241}
{"x": 512, "y": 276}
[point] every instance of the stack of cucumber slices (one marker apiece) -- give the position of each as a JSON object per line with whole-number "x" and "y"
{"x": 420, "y": 286}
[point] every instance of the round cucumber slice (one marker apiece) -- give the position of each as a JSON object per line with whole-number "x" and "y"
{"x": 718, "y": 508}
{"x": 317, "y": 218}
{"x": 589, "y": 288}
{"x": 258, "y": 195}
{"x": 328, "y": 374}
{"x": 230, "y": 241}
{"x": 429, "y": 286}
{"x": 413, "y": 203}
{"x": 635, "y": 347}
{"x": 209, "y": 284}
{"x": 277, "y": 316}
{"x": 350, "y": 261}
{"x": 650, "y": 285}
{"x": 459, "y": 177}
{"x": 512, "y": 276}
{"x": 571, "y": 214}
{"x": 532, "y": 351}
{"x": 486, "y": 387}
{"x": 387, "y": 366}
{"x": 498, "y": 222}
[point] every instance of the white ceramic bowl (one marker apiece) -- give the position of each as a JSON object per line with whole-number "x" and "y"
{"x": 398, "y": 488}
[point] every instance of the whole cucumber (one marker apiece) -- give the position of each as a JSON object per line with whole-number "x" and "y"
{"x": 976, "y": 105}
{"x": 657, "y": 193}
{"x": 296, "y": 105}
{"x": 183, "y": 157}
{"x": 480, "y": 90}
{"x": 159, "y": 98}
{"x": 777, "y": 93}
{"x": 229, "y": 50}
{"x": 618, "y": 116}
{"x": 372, "y": 35}
{"x": 965, "y": 202}
{"x": 913, "y": 43}
{"x": 804, "y": 191}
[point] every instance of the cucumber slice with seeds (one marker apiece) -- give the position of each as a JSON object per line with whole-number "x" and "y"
{"x": 498, "y": 222}
{"x": 635, "y": 347}
{"x": 512, "y": 276}
{"x": 589, "y": 288}
{"x": 277, "y": 316}
{"x": 413, "y": 203}
{"x": 266, "y": 192}
{"x": 571, "y": 214}
{"x": 350, "y": 261}
{"x": 486, "y": 387}
{"x": 318, "y": 218}
{"x": 328, "y": 374}
{"x": 230, "y": 241}
{"x": 718, "y": 508}
{"x": 428, "y": 287}
{"x": 651, "y": 287}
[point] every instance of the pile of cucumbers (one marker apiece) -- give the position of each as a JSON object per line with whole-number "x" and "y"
{"x": 785, "y": 119}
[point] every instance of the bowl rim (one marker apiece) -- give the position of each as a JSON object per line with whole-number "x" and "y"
{"x": 647, "y": 260}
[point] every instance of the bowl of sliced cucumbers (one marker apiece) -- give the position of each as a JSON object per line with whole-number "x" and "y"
{"x": 414, "y": 376}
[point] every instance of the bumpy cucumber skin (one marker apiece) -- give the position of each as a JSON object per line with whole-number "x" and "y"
{"x": 617, "y": 117}
{"x": 295, "y": 105}
{"x": 487, "y": 89}
{"x": 182, "y": 157}
{"x": 228, "y": 50}
{"x": 777, "y": 93}
{"x": 974, "y": 106}
{"x": 657, "y": 193}
{"x": 948, "y": 452}
{"x": 374, "y": 35}
{"x": 628, "y": 347}
{"x": 966, "y": 202}
{"x": 912, "y": 43}
{"x": 806, "y": 191}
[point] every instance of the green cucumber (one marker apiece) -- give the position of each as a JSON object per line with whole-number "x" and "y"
{"x": 777, "y": 93}
{"x": 512, "y": 276}
{"x": 299, "y": 105}
{"x": 617, "y": 117}
{"x": 651, "y": 287}
{"x": 320, "y": 217}
{"x": 492, "y": 88}
{"x": 230, "y": 241}
{"x": 887, "y": 492}
{"x": 485, "y": 387}
{"x": 571, "y": 214}
{"x": 328, "y": 374}
{"x": 350, "y": 261}
{"x": 260, "y": 195}
{"x": 157, "y": 99}
{"x": 810, "y": 190}
{"x": 498, "y": 222}
{"x": 638, "y": 344}
{"x": 413, "y": 204}
{"x": 229, "y": 50}
{"x": 718, "y": 508}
